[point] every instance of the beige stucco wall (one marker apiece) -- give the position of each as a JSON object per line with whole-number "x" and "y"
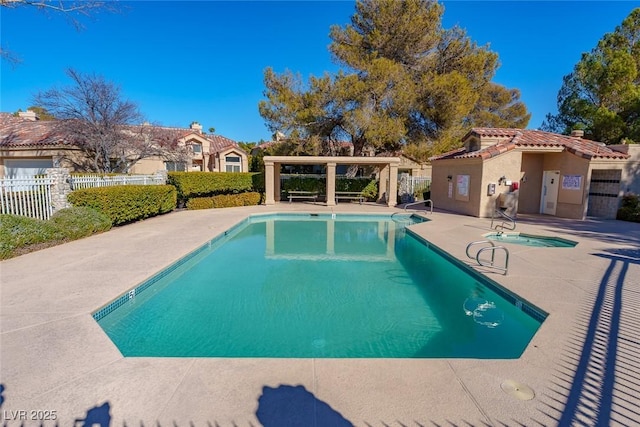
{"x": 414, "y": 168}
{"x": 221, "y": 164}
{"x": 480, "y": 203}
{"x": 530, "y": 183}
{"x": 440, "y": 182}
{"x": 571, "y": 203}
{"x": 630, "y": 182}
{"x": 524, "y": 168}
{"x": 527, "y": 169}
{"x": 507, "y": 165}
{"x": 62, "y": 157}
{"x": 148, "y": 166}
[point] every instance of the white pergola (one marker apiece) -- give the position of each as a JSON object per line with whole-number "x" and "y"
{"x": 388, "y": 170}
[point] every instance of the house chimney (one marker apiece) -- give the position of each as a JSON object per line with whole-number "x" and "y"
{"x": 279, "y": 136}
{"x": 29, "y": 115}
{"x": 196, "y": 126}
{"x": 578, "y": 133}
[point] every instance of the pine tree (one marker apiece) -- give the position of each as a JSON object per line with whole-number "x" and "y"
{"x": 602, "y": 94}
{"x": 405, "y": 81}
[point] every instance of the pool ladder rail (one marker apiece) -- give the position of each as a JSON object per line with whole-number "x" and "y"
{"x": 507, "y": 223}
{"x": 429, "y": 201}
{"x": 491, "y": 248}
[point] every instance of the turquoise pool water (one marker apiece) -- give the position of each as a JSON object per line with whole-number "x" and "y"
{"x": 324, "y": 287}
{"x": 531, "y": 240}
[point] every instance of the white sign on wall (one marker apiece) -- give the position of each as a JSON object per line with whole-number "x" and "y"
{"x": 571, "y": 182}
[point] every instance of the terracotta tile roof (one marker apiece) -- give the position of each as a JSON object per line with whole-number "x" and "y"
{"x": 220, "y": 143}
{"x": 493, "y": 132}
{"x": 267, "y": 144}
{"x": 21, "y": 132}
{"x": 523, "y": 138}
{"x": 453, "y": 154}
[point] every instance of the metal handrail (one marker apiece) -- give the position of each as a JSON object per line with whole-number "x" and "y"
{"x": 419, "y": 202}
{"x": 404, "y": 222}
{"x": 493, "y": 248}
{"x": 501, "y": 225}
{"x": 478, "y": 243}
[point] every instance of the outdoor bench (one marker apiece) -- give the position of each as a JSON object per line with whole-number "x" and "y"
{"x": 302, "y": 195}
{"x": 350, "y": 195}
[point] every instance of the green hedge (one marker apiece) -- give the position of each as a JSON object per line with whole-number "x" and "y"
{"x": 19, "y": 234}
{"x": 127, "y": 203}
{"x": 20, "y": 231}
{"x": 258, "y": 182}
{"x": 81, "y": 221}
{"x": 199, "y": 184}
{"x": 369, "y": 188}
{"x": 630, "y": 208}
{"x": 224, "y": 201}
{"x": 303, "y": 183}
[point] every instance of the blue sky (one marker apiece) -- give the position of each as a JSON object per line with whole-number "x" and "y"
{"x": 182, "y": 61}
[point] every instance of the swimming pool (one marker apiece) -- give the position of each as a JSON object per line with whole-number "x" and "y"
{"x": 322, "y": 286}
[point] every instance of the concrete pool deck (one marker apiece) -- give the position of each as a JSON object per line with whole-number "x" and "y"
{"x": 582, "y": 364}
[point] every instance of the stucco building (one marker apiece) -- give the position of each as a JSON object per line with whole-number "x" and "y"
{"x": 29, "y": 146}
{"x": 534, "y": 172}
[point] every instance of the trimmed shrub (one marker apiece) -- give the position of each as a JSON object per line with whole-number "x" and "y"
{"x": 371, "y": 190}
{"x": 20, "y": 231}
{"x": 127, "y": 203}
{"x": 630, "y": 208}
{"x": 20, "y": 234}
{"x": 224, "y": 201}
{"x": 80, "y": 222}
{"x": 199, "y": 184}
{"x": 302, "y": 183}
{"x": 257, "y": 180}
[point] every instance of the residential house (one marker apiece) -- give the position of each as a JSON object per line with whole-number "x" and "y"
{"x": 29, "y": 146}
{"x": 208, "y": 153}
{"x": 534, "y": 172}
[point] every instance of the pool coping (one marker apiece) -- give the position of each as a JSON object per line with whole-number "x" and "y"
{"x": 48, "y": 297}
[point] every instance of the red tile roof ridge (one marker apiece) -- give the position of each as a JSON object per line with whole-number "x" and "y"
{"x": 531, "y": 138}
{"x": 22, "y": 132}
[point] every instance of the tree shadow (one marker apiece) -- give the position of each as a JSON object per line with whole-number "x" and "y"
{"x": 288, "y": 405}
{"x": 603, "y": 230}
{"x": 598, "y": 378}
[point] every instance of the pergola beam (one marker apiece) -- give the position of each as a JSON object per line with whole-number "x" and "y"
{"x": 388, "y": 170}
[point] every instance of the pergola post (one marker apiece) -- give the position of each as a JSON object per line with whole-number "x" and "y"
{"x": 393, "y": 185}
{"x": 382, "y": 183}
{"x": 269, "y": 183}
{"x": 331, "y": 184}
{"x": 276, "y": 182}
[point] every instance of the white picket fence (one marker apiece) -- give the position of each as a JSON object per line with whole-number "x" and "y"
{"x": 411, "y": 187}
{"x": 418, "y": 184}
{"x": 32, "y": 195}
{"x": 90, "y": 181}
{"x": 28, "y": 196}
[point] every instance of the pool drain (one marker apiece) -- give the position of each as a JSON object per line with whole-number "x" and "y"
{"x": 517, "y": 390}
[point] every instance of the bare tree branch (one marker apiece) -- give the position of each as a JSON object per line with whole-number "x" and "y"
{"x": 73, "y": 11}
{"x": 109, "y": 130}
